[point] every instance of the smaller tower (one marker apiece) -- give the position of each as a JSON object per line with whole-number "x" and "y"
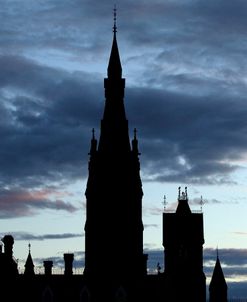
{"x": 29, "y": 266}
{"x": 218, "y": 286}
{"x": 183, "y": 241}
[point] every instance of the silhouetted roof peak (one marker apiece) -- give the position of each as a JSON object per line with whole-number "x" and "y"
{"x": 183, "y": 205}
{"x": 114, "y": 66}
{"x": 218, "y": 277}
{"x": 29, "y": 266}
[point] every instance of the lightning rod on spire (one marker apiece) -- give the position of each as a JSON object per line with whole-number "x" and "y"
{"x": 164, "y": 202}
{"x": 115, "y": 19}
{"x": 201, "y": 203}
{"x": 135, "y": 131}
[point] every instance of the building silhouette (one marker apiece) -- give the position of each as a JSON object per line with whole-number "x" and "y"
{"x": 115, "y": 264}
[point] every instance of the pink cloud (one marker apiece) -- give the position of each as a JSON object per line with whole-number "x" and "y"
{"x": 19, "y": 202}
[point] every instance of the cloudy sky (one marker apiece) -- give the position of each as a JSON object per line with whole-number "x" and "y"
{"x": 185, "y": 66}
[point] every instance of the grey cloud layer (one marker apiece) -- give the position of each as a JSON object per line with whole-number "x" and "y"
{"x": 30, "y": 237}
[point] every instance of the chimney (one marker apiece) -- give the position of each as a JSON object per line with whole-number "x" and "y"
{"x": 68, "y": 262}
{"x": 8, "y": 241}
{"x": 48, "y": 264}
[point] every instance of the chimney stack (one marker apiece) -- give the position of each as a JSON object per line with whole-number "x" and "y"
{"x": 68, "y": 262}
{"x": 8, "y": 241}
{"x": 48, "y": 264}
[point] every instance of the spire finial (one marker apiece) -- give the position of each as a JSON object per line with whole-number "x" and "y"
{"x": 179, "y": 193}
{"x": 217, "y": 252}
{"x": 201, "y": 203}
{"x": 115, "y": 19}
{"x": 135, "y": 143}
{"x": 135, "y": 131}
{"x": 93, "y": 143}
{"x": 164, "y": 202}
{"x": 29, "y": 247}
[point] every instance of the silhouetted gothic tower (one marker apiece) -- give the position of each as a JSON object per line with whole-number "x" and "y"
{"x": 114, "y": 229}
{"x": 183, "y": 241}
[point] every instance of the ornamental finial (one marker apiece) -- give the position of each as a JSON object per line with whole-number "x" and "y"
{"x": 115, "y": 19}
{"x": 164, "y": 202}
{"x": 135, "y": 131}
{"x": 201, "y": 202}
{"x": 186, "y": 193}
{"x": 179, "y": 193}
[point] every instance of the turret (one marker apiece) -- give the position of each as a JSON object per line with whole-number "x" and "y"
{"x": 29, "y": 266}
{"x": 218, "y": 286}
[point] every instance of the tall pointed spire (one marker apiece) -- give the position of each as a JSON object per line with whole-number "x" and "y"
{"x": 114, "y": 66}
{"x": 114, "y": 188}
{"x": 114, "y": 126}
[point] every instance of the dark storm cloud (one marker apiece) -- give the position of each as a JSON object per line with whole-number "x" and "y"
{"x": 45, "y": 128}
{"x": 48, "y": 114}
{"x": 194, "y": 139}
{"x": 46, "y": 125}
{"x": 186, "y": 96}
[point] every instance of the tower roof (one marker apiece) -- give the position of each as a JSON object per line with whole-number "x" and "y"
{"x": 114, "y": 136}
{"x": 29, "y": 266}
{"x": 114, "y": 66}
{"x": 183, "y": 205}
{"x": 218, "y": 278}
